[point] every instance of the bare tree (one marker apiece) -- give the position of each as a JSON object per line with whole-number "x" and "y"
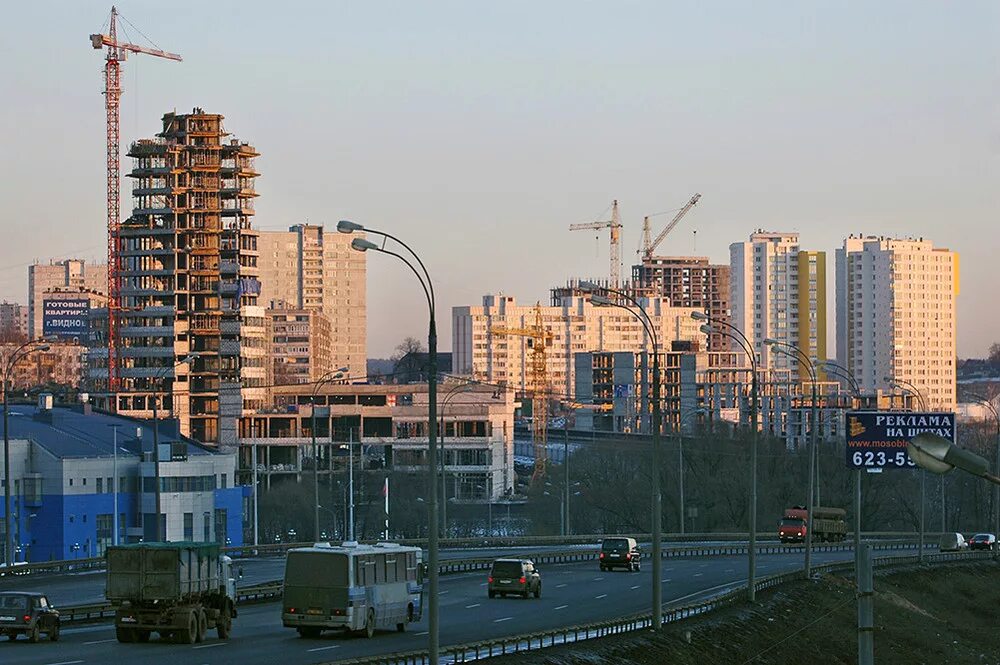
{"x": 408, "y": 345}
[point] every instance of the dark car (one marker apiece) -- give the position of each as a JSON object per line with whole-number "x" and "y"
{"x": 514, "y": 576}
{"x": 620, "y": 553}
{"x": 983, "y": 541}
{"x": 27, "y": 613}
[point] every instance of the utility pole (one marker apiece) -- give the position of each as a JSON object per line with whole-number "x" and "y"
{"x": 866, "y": 608}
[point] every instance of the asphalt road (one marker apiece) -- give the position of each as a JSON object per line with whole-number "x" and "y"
{"x": 572, "y": 593}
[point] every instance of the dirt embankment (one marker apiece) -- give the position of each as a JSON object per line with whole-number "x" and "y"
{"x": 935, "y": 616}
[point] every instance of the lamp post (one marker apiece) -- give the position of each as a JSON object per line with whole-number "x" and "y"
{"x": 18, "y": 354}
{"x": 161, "y": 528}
{"x": 735, "y": 334}
{"x": 996, "y": 438}
{"x": 362, "y": 245}
{"x": 908, "y": 387}
{"x": 640, "y": 313}
{"x": 842, "y": 372}
{"x": 798, "y": 354}
{"x": 114, "y": 480}
{"x": 680, "y": 458}
{"x": 332, "y": 375}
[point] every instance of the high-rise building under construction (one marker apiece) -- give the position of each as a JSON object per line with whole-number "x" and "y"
{"x": 189, "y": 283}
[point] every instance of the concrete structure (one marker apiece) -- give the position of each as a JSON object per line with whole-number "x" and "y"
{"x": 896, "y": 315}
{"x": 63, "y": 364}
{"x": 390, "y": 422}
{"x": 577, "y": 327}
{"x": 13, "y": 322}
{"x": 315, "y": 269}
{"x": 70, "y": 277}
{"x": 299, "y": 345}
{"x": 779, "y": 291}
{"x": 63, "y": 468}
{"x": 688, "y": 281}
{"x": 189, "y": 283}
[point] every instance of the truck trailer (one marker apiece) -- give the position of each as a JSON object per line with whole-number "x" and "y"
{"x": 178, "y": 590}
{"x": 829, "y": 524}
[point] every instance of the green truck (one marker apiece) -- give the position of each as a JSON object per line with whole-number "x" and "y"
{"x": 179, "y": 590}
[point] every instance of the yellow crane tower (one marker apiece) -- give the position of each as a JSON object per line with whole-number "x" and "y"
{"x": 615, "y": 224}
{"x": 538, "y": 339}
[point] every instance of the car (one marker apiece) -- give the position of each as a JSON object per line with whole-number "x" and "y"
{"x": 28, "y": 613}
{"x": 514, "y": 577}
{"x": 983, "y": 541}
{"x": 620, "y": 553}
{"x": 952, "y": 542}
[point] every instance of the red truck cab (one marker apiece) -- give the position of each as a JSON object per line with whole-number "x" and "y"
{"x": 792, "y": 528}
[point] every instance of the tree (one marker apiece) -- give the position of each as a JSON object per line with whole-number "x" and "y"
{"x": 408, "y": 345}
{"x": 994, "y": 357}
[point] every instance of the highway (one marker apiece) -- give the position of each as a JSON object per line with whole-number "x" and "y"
{"x": 572, "y": 593}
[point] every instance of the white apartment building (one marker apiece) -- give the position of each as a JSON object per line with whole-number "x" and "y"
{"x": 576, "y": 325}
{"x": 778, "y": 290}
{"x": 312, "y": 268}
{"x": 61, "y": 279}
{"x": 896, "y": 315}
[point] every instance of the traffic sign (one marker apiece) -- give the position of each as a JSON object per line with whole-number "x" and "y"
{"x": 878, "y": 439}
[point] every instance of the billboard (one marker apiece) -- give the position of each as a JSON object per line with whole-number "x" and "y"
{"x": 65, "y": 317}
{"x": 878, "y": 439}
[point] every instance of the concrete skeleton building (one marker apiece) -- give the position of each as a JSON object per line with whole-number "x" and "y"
{"x": 189, "y": 283}
{"x": 779, "y": 291}
{"x": 896, "y": 315}
{"x": 312, "y": 268}
{"x": 63, "y": 279}
{"x": 576, "y": 325}
{"x": 299, "y": 345}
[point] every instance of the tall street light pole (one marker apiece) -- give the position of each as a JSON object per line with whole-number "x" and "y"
{"x": 908, "y": 387}
{"x": 842, "y": 372}
{"x": 996, "y": 439}
{"x": 680, "y": 459}
{"x": 795, "y": 352}
{"x": 161, "y": 524}
{"x": 735, "y": 334}
{"x": 114, "y": 480}
{"x": 15, "y": 357}
{"x": 332, "y": 375}
{"x": 362, "y": 245}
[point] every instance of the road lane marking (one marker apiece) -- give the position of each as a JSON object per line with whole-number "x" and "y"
{"x": 698, "y": 574}
{"x": 441, "y": 593}
{"x": 603, "y": 595}
{"x": 559, "y": 586}
{"x": 729, "y": 570}
{"x": 66, "y": 662}
{"x": 503, "y": 619}
{"x": 635, "y": 587}
{"x": 423, "y": 633}
{"x": 561, "y": 607}
{"x": 598, "y": 579}
{"x": 87, "y": 644}
{"x": 469, "y": 607}
{"x": 335, "y": 646}
{"x": 209, "y": 646}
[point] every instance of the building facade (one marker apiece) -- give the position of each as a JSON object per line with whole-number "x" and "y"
{"x": 896, "y": 316}
{"x": 13, "y": 322}
{"x": 189, "y": 284}
{"x": 778, "y": 291}
{"x": 72, "y": 277}
{"x": 576, "y": 326}
{"x": 313, "y": 269}
{"x": 64, "y": 364}
{"x": 688, "y": 281}
{"x": 299, "y": 345}
{"x": 69, "y": 465}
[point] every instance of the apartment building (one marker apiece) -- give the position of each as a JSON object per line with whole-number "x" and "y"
{"x": 313, "y": 268}
{"x": 299, "y": 344}
{"x": 62, "y": 279}
{"x": 64, "y": 363}
{"x": 778, "y": 291}
{"x": 13, "y": 322}
{"x": 576, "y": 326}
{"x": 896, "y": 316}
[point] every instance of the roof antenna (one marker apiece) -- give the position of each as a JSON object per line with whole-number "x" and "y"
{"x": 695, "y": 249}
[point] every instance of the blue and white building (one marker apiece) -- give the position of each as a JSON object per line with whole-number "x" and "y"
{"x": 67, "y": 503}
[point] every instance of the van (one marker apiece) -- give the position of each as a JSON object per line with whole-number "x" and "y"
{"x": 953, "y": 542}
{"x": 620, "y": 553}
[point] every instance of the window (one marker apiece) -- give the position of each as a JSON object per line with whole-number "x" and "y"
{"x": 188, "y": 526}
{"x": 224, "y": 483}
{"x": 100, "y": 485}
{"x": 206, "y": 527}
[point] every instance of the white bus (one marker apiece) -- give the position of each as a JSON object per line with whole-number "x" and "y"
{"x": 352, "y": 587}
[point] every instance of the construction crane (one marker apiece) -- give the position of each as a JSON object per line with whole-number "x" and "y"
{"x": 538, "y": 339}
{"x": 117, "y": 53}
{"x": 615, "y": 224}
{"x": 649, "y": 246}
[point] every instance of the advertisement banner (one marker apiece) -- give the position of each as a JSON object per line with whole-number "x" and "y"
{"x": 878, "y": 439}
{"x": 65, "y": 317}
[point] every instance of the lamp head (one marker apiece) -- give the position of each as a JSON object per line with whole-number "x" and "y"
{"x": 588, "y": 287}
{"x": 939, "y": 455}
{"x": 43, "y": 347}
{"x": 362, "y": 245}
{"x": 770, "y": 341}
{"x": 707, "y": 329}
{"x": 345, "y": 226}
{"x": 600, "y": 300}
{"x": 699, "y": 316}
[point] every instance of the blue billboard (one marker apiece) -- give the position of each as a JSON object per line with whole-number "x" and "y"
{"x": 878, "y": 439}
{"x": 65, "y": 317}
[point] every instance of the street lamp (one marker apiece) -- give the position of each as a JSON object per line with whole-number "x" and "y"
{"x": 114, "y": 480}
{"x": 798, "y": 354}
{"x": 996, "y": 490}
{"x": 735, "y": 334}
{"x": 332, "y": 375}
{"x": 16, "y": 356}
{"x": 680, "y": 457}
{"x": 161, "y": 534}
{"x": 363, "y": 245}
{"x": 599, "y": 299}
{"x": 939, "y": 455}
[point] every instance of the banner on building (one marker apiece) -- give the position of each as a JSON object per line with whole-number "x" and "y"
{"x": 878, "y": 439}
{"x": 65, "y": 317}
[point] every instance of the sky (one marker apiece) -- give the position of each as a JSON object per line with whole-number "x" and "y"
{"x": 478, "y": 131}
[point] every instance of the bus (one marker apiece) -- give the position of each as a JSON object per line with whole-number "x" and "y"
{"x": 352, "y": 587}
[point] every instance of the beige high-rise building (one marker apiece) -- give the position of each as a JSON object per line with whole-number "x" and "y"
{"x": 896, "y": 318}
{"x": 314, "y": 268}
{"x": 299, "y": 342}
{"x": 576, "y": 325}
{"x": 59, "y": 279}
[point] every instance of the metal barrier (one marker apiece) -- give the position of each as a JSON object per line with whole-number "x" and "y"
{"x": 463, "y": 653}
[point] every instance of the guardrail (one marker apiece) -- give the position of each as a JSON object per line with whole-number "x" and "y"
{"x": 473, "y": 651}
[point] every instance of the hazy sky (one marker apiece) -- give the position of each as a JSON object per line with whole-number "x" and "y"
{"x": 479, "y": 130}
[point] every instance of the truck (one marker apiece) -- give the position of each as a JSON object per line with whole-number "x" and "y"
{"x": 829, "y": 524}
{"x": 179, "y": 590}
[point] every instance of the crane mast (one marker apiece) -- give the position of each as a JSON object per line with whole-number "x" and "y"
{"x": 615, "y": 224}
{"x": 650, "y": 247}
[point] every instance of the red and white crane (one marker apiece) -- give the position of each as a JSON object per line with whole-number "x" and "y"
{"x": 116, "y": 54}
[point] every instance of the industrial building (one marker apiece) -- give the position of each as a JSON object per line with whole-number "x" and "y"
{"x": 64, "y": 466}
{"x": 189, "y": 284}
{"x": 312, "y": 268}
{"x": 72, "y": 278}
